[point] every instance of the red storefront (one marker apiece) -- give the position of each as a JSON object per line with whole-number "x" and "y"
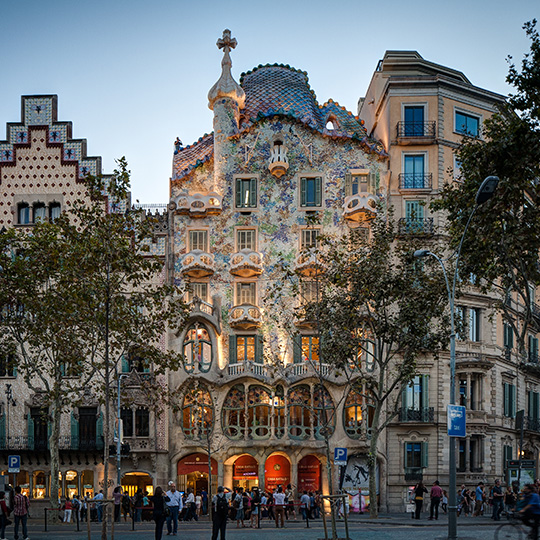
{"x": 192, "y": 473}
{"x": 309, "y": 474}
{"x": 246, "y": 472}
{"x": 277, "y": 471}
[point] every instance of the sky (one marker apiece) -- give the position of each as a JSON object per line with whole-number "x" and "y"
{"x": 133, "y": 75}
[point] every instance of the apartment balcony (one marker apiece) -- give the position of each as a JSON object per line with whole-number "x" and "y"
{"x": 420, "y": 415}
{"x": 200, "y": 309}
{"x": 247, "y": 368}
{"x": 535, "y": 309}
{"x": 246, "y": 263}
{"x": 245, "y": 317}
{"x": 360, "y": 208}
{"x": 532, "y": 424}
{"x": 410, "y": 133}
{"x": 414, "y": 475}
{"x": 415, "y": 182}
{"x": 306, "y": 369}
{"x": 308, "y": 264}
{"x": 198, "y": 205}
{"x": 197, "y": 264}
{"x": 278, "y": 164}
{"x": 415, "y": 226}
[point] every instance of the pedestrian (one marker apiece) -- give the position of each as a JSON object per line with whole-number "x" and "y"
{"x": 305, "y": 503}
{"x": 138, "y": 504}
{"x": 289, "y": 499}
{"x": 312, "y": 506}
{"x": 76, "y": 503}
{"x": 238, "y": 504}
{"x": 509, "y": 501}
{"x": 21, "y": 505}
{"x": 255, "y": 507}
{"x": 204, "y": 495}
{"x": 436, "y": 496}
{"x": 531, "y": 510}
{"x": 191, "y": 507}
{"x": 198, "y": 503}
{"x": 270, "y": 506}
{"x": 175, "y": 505}
{"x": 126, "y": 505}
{"x": 479, "y": 499}
{"x": 279, "y": 506}
{"x": 68, "y": 508}
{"x": 4, "y": 514}
{"x": 99, "y": 505}
{"x": 419, "y": 491}
{"x": 444, "y": 504}
{"x": 498, "y": 499}
{"x": 220, "y": 507}
{"x": 159, "y": 499}
{"x": 117, "y": 499}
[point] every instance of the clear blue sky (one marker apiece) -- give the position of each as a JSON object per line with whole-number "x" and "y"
{"x": 133, "y": 75}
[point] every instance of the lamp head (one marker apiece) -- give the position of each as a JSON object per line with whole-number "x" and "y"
{"x": 487, "y": 189}
{"x": 419, "y": 253}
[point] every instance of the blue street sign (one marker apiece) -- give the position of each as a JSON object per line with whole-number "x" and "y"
{"x": 340, "y": 456}
{"x": 14, "y": 464}
{"x": 456, "y": 420}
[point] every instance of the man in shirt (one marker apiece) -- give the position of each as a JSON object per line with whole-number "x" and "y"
{"x": 279, "y": 503}
{"x": 498, "y": 500}
{"x": 99, "y": 505}
{"x": 175, "y": 505}
{"x": 238, "y": 503}
{"x": 20, "y": 511}
{"x": 305, "y": 503}
{"x": 479, "y": 498}
{"x": 220, "y": 512}
{"x": 190, "y": 506}
{"x": 436, "y": 496}
{"x": 531, "y": 510}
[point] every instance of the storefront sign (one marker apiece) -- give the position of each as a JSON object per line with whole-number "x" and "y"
{"x": 309, "y": 474}
{"x": 196, "y": 463}
{"x": 245, "y": 466}
{"x": 277, "y": 471}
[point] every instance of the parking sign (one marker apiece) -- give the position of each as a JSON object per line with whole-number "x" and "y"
{"x": 456, "y": 421}
{"x": 14, "y": 464}
{"x": 340, "y": 456}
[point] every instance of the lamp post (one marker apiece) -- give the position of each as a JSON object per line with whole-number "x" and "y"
{"x": 484, "y": 193}
{"x": 119, "y": 435}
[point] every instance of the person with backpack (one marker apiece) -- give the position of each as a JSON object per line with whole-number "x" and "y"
{"x": 21, "y": 505}
{"x": 220, "y": 507}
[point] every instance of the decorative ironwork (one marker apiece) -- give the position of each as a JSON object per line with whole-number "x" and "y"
{"x": 532, "y": 424}
{"x": 414, "y": 475}
{"x": 415, "y": 226}
{"x": 422, "y": 414}
{"x": 360, "y": 207}
{"x": 415, "y": 181}
{"x": 245, "y": 316}
{"x": 416, "y": 129}
{"x": 198, "y": 264}
{"x": 246, "y": 263}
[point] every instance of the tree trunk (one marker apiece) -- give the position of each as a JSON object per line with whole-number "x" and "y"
{"x": 372, "y": 464}
{"x": 210, "y": 509}
{"x": 54, "y": 439}
{"x": 330, "y": 487}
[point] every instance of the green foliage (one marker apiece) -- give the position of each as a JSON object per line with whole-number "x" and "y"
{"x": 502, "y": 245}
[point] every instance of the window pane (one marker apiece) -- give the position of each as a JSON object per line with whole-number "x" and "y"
{"x": 246, "y": 196}
{"x": 198, "y": 240}
{"x": 245, "y": 293}
{"x": 142, "y": 422}
{"x": 39, "y": 212}
{"x": 245, "y": 239}
{"x": 54, "y": 211}
{"x": 467, "y": 124}
{"x": 309, "y": 238}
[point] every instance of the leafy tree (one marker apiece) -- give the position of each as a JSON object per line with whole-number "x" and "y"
{"x": 376, "y": 311}
{"x": 502, "y": 246}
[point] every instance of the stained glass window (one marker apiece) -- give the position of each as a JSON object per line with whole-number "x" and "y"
{"x": 233, "y": 415}
{"x": 197, "y": 413}
{"x": 197, "y": 349}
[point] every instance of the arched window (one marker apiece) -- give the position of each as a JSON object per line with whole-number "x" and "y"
{"x": 299, "y": 399}
{"x": 324, "y": 413}
{"x": 197, "y": 413}
{"x": 279, "y": 412}
{"x": 23, "y": 213}
{"x": 358, "y": 408}
{"x": 40, "y": 212}
{"x": 259, "y": 410}
{"x": 197, "y": 349}
{"x": 234, "y": 418}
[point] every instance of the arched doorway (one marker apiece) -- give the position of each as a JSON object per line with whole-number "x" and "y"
{"x": 309, "y": 474}
{"x": 246, "y": 472}
{"x": 192, "y": 471}
{"x": 133, "y": 481}
{"x": 277, "y": 471}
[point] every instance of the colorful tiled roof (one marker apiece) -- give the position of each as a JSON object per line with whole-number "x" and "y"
{"x": 188, "y": 158}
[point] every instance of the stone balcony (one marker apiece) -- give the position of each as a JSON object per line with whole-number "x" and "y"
{"x": 197, "y": 205}
{"x": 306, "y": 369}
{"x": 245, "y": 317}
{"x": 278, "y": 164}
{"x": 247, "y": 368}
{"x": 197, "y": 264}
{"x": 246, "y": 263}
{"x": 309, "y": 264}
{"x": 360, "y": 208}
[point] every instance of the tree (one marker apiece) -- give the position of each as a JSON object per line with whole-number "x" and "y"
{"x": 503, "y": 249}
{"x": 376, "y": 311}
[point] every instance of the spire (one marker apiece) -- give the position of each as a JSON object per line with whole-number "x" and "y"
{"x": 226, "y": 85}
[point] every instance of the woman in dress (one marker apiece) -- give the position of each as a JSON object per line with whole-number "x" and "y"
{"x": 159, "y": 499}
{"x": 198, "y": 503}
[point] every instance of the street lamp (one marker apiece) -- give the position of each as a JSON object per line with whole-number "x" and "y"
{"x": 484, "y": 193}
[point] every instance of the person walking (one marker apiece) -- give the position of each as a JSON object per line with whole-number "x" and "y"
{"x": 159, "y": 499}
{"x": 279, "y": 506}
{"x": 190, "y": 506}
{"x": 175, "y": 505}
{"x": 444, "y": 502}
{"x": 99, "y": 505}
{"x": 21, "y": 505}
{"x": 435, "y": 494}
{"x": 419, "y": 491}
{"x": 220, "y": 507}
{"x": 68, "y": 508}
{"x": 126, "y": 506}
{"x": 204, "y": 495}
{"x": 531, "y": 510}
{"x": 289, "y": 499}
{"x": 117, "y": 499}
{"x": 255, "y": 507}
{"x": 4, "y": 514}
{"x": 238, "y": 504}
{"x": 305, "y": 503}
{"x": 479, "y": 499}
{"x": 498, "y": 500}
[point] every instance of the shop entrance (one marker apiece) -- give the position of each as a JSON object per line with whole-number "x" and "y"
{"x": 277, "y": 472}
{"x": 133, "y": 481}
{"x": 246, "y": 472}
{"x": 309, "y": 474}
{"x": 192, "y": 472}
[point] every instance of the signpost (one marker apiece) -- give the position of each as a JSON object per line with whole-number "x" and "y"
{"x": 456, "y": 421}
{"x": 340, "y": 456}
{"x": 14, "y": 464}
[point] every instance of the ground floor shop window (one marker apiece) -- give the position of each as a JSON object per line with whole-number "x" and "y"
{"x": 133, "y": 481}
{"x": 192, "y": 472}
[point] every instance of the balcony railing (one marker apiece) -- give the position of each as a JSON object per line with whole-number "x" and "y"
{"x": 414, "y": 181}
{"x": 532, "y": 357}
{"x": 416, "y": 129}
{"x": 309, "y": 368}
{"x": 414, "y": 475}
{"x": 423, "y": 414}
{"x": 197, "y": 264}
{"x": 532, "y": 424}
{"x": 251, "y": 368}
{"x": 415, "y": 226}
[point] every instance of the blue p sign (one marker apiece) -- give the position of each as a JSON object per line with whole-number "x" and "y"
{"x": 14, "y": 464}
{"x": 340, "y": 456}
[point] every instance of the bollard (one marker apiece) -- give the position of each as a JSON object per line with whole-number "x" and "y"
{"x": 45, "y": 520}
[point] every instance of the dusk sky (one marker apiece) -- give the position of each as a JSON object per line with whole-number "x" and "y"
{"x": 134, "y": 75}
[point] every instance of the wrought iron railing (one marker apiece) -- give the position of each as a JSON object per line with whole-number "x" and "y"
{"x": 532, "y": 424}
{"x": 415, "y": 181}
{"x": 416, "y": 129}
{"x": 415, "y": 226}
{"x": 422, "y": 414}
{"x": 413, "y": 475}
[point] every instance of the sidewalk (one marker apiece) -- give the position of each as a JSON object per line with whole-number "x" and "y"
{"x": 405, "y": 520}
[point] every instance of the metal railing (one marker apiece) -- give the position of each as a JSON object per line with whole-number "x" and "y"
{"x": 414, "y": 181}
{"x": 416, "y": 129}
{"x": 415, "y": 226}
{"x": 532, "y": 424}
{"x": 414, "y": 474}
{"x": 422, "y": 414}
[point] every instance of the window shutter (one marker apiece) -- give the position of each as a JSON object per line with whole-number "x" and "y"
{"x": 506, "y": 400}
{"x": 302, "y": 192}
{"x": 238, "y": 193}
{"x": 232, "y": 350}
{"x": 372, "y": 183}
{"x": 512, "y": 400}
{"x": 74, "y": 432}
{"x": 536, "y": 405}
{"x": 125, "y": 364}
{"x": 3, "y": 432}
{"x": 425, "y": 395}
{"x": 530, "y": 405}
{"x": 348, "y": 184}
{"x": 297, "y": 349}
{"x": 424, "y": 455}
{"x": 405, "y": 461}
{"x": 253, "y": 193}
{"x": 404, "y": 403}
{"x": 318, "y": 191}
{"x": 259, "y": 359}
{"x": 30, "y": 432}
{"x": 99, "y": 431}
